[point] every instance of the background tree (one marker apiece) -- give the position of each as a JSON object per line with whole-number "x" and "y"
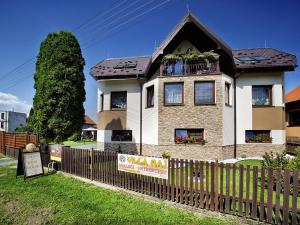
{"x": 58, "y": 109}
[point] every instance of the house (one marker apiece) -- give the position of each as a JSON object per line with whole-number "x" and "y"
{"x": 10, "y": 120}
{"x": 193, "y": 102}
{"x": 89, "y": 129}
{"x": 292, "y": 107}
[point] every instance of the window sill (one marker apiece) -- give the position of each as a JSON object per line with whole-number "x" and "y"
{"x": 228, "y": 105}
{"x": 149, "y": 107}
{"x": 258, "y": 143}
{"x": 180, "y": 104}
{"x": 262, "y": 106}
{"x": 207, "y": 104}
{"x": 118, "y": 109}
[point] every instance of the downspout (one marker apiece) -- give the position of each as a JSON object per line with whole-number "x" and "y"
{"x": 234, "y": 109}
{"x": 235, "y": 123}
{"x": 141, "y": 113}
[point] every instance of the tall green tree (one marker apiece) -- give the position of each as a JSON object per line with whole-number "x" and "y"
{"x": 58, "y": 109}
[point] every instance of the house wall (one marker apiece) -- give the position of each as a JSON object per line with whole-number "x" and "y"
{"x": 249, "y": 118}
{"x": 127, "y": 120}
{"x": 150, "y": 115}
{"x": 12, "y": 120}
{"x": 228, "y": 112}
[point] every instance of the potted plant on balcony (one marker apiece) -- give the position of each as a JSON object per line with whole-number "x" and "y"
{"x": 171, "y": 58}
{"x": 211, "y": 56}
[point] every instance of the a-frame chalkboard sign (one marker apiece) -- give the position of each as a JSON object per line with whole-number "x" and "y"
{"x": 29, "y": 164}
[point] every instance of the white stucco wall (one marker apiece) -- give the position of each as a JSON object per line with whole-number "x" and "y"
{"x": 244, "y": 101}
{"x": 228, "y": 112}
{"x": 133, "y": 106}
{"x": 150, "y": 115}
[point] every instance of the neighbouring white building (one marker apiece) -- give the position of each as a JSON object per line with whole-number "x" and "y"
{"x": 10, "y": 120}
{"x": 186, "y": 99}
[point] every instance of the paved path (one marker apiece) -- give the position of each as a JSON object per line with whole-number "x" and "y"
{"x": 7, "y": 161}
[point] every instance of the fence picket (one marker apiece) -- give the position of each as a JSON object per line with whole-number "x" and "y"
{"x": 191, "y": 195}
{"x": 196, "y": 184}
{"x": 181, "y": 181}
{"x": 270, "y": 195}
{"x": 212, "y": 186}
{"x": 227, "y": 201}
{"x": 241, "y": 190}
{"x": 186, "y": 181}
{"x": 262, "y": 195}
{"x": 234, "y": 189}
{"x": 221, "y": 187}
{"x": 286, "y": 196}
{"x": 295, "y": 196}
{"x": 201, "y": 185}
{"x": 207, "y": 186}
{"x": 247, "y": 191}
{"x": 254, "y": 192}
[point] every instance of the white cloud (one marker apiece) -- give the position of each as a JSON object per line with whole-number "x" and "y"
{"x": 12, "y": 102}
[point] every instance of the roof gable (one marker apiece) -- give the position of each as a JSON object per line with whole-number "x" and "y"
{"x": 190, "y": 18}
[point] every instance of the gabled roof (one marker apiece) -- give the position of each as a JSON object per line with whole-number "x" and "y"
{"x": 269, "y": 58}
{"x": 88, "y": 120}
{"x": 187, "y": 19}
{"x": 293, "y": 95}
{"x": 119, "y": 68}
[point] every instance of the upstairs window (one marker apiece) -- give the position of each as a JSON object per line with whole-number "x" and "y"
{"x": 262, "y": 95}
{"x": 150, "y": 96}
{"x": 227, "y": 93}
{"x": 2, "y": 116}
{"x": 189, "y": 136}
{"x": 101, "y": 102}
{"x": 173, "y": 93}
{"x": 1, "y": 125}
{"x": 204, "y": 92}
{"x": 119, "y": 100}
{"x": 258, "y": 136}
{"x": 121, "y": 135}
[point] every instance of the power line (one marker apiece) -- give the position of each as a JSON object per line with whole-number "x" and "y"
{"x": 16, "y": 68}
{"x": 129, "y": 20}
{"x": 119, "y": 19}
{"x": 100, "y": 13}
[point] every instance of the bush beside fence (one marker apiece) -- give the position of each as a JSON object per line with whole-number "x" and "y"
{"x": 242, "y": 191}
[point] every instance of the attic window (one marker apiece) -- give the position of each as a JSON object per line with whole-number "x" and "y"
{"x": 250, "y": 58}
{"x": 125, "y": 66}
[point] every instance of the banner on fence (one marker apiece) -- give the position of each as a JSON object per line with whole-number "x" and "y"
{"x": 148, "y": 166}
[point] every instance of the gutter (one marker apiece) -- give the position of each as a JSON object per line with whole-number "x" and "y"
{"x": 235, "y": 124}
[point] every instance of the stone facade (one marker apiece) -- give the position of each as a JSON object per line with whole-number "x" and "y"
{"x": 189, "y": 115}
{"x": 126, "y": 148}
{"x": 258, "y": 149}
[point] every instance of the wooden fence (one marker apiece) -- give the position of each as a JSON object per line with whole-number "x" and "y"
{"x": 16, "y": 140}
{"x": 261, "y": 194}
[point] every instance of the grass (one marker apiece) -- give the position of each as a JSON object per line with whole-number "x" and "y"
{"x": 78, "y": 143}
{"x": 250, "y": 162}
{"x": 2, "y": 156}
{"x": 55, "y": 199}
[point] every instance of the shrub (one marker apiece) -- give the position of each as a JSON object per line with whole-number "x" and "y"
{"x": 166, "y": 154}
{"x": 278, "y": 161}
{"x": 75, "y": 137}
{"x": 294, "y": 164}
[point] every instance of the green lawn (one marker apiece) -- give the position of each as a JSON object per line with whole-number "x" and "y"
{"x": 78, "y": 143}
{"x": 2, "y": 156}
{"x": 55, "y": 199}
{"x": 250, "y": 162}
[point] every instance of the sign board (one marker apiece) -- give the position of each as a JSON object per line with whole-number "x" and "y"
{"x": 30, "y": 164}
{"x": 148, "y": 166}
{"x": 55, "y": 152}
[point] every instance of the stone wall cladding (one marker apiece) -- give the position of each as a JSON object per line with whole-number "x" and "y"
{"x": 208, "y": 117}
{"x": 252, "y": 150}
{"x": 126, "y": 148}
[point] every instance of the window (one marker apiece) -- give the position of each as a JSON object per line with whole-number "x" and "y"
{"x": 258, "y": 136}
{"x": 121, "y": 135}
{"x": 150, "y": 96}
{"x": 189, "y": 136}
{"x": 294, "y": 118}
{"x": 2, "y": 116}
{"x": 261, "y": 95}
{"x": 173, "y": 93}
{"x": 227, "y": 93}
{"x": 119, "y": 100}
{"x": 1, "y": 125}
{"x": 101, "y": 102}
{"x": 204, "y": 92}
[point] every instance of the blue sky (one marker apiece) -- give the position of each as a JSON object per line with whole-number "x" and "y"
{"x": 133, "y": 28}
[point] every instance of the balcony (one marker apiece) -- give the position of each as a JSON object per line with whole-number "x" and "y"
{"x": 181, "y": 69}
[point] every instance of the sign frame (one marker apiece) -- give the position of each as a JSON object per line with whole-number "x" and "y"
{"x": 22, "y": 169}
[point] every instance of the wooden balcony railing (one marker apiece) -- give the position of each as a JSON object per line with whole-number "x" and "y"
{"x": 181, "y": 69}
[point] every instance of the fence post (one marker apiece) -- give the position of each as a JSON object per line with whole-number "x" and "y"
{"x": 216, "y": 186}
{"x": 92, "y": 164}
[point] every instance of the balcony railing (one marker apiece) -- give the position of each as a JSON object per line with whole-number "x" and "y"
{"x": 180, "y": 68}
